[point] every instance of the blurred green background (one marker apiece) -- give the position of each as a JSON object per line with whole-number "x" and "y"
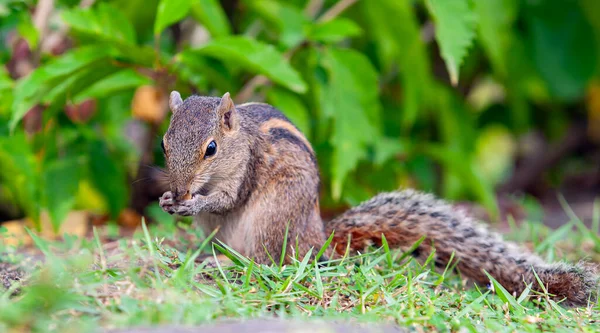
{"x": 467, "y": 99}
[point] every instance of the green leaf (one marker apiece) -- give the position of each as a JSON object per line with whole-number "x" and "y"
{"x": 61, "y": 180}
{"x": 334, "y": 31}
{"x": 457, "y": 124}
{"x": 141, "y": 14}
{"x": 64, "y": 91}
{"x": 291, "y": 105}
{"x": 103, "y": 22}
{"x": 256, "y": 57}
{"x": 110, "y": 26}
{"x": 211, "y": 15}
{"x": 386, "y": 148}
{"x": 467, "y": 170}
{"x": 201, "y": 70}
{"x": 495, "y": 153}
{"x": 496, "y": 18}
{"x": 122, "y": 80}
{"x": 19, "y": 172}
{"x": 457, "y": 130}
{"x": 396, "y": 32}
{"x": 169, "y": 12}
{"x": 28, "y": 31}
{"x": 108, "y": 177}
{"x": 563, "y": 47}
{"x": 6, "y": 82}
{"x": 31, "y": 89}
{"x": 287, "y": 19}
{"x": 350, "y": 98}
{"x": 591, "y": 9}
{"x": 6, "y": 96}
{"x": 455, "y": 30}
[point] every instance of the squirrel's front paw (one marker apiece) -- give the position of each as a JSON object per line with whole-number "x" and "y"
{"x": 183, "y": 208}
{"x": 166, "y": 202}
{"x": 188, "y": 207}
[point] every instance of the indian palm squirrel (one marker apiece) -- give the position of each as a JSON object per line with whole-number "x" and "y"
{"x": 247, "y": 170}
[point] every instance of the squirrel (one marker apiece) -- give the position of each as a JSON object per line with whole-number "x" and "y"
{"x": 250, "y": 172}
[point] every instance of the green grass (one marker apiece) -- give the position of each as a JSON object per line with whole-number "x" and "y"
{"x": 85, "y": 285}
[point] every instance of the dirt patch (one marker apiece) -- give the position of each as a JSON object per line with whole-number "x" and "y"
{"x": 10, "y": 274}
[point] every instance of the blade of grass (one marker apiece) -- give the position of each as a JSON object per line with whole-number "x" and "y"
{"x": 286, "y": 285}
{"x": 554, "y": 237}
{"x": 249, "y": 271}
{"x": 412, "y": 248}
{"x": 219, "y": 265}
{"x": 547, "y": 295}
{"x": 443, "y": 275}
{"x": 470, "y": 305}
{"x": 524, "y": 294}
{"x": 199, "y": 250}
{"x": 306, "y": 290}
{"x": 504, "y": 295}
{"x": 388, "y": 254}
{"x": 303, "y": 265}
{"x": 318, "y": 281}
{"x": 429, "y": 261}
{"x": 151, "y": 249}
{"x": 269, "y": 255}
{"x": 208, "y": 290}
{"x": 324, "y": 247}
{"x": 236, "y": 257}
{"x": 100, "y": 249}
{"x": 284, "y": 247}
{"x": 39, "y": 243}
{"x": 580, "y": 225}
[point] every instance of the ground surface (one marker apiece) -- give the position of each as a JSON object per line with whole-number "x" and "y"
{"x": 155, "y": 282}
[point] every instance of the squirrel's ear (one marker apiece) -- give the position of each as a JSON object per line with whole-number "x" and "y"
{"x": 175, "y": 101}
{"x": 228, "y": 113}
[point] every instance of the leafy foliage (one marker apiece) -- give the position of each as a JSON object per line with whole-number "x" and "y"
{"x": 169, "y": 12}
{"x": 82, "y": 102}
{"x": 350, "y": 98}
{"x": 455, "y": 31}
{"x": 254, "y": 56}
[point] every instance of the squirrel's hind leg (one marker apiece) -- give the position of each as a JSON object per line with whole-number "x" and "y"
{"x": 296, "y": 213}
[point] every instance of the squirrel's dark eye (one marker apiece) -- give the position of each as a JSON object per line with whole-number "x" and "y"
{"x": 211, "y": 149}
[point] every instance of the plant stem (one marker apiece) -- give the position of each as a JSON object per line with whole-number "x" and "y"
{"x": 336, "y": 10}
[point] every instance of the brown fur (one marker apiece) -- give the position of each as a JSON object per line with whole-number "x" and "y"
{"x": 264, "y": 178}
{"x": 254, "y": 167}
{"x": 404, "y": 217}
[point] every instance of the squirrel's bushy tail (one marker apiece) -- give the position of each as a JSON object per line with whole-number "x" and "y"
{"x": 405, "y": 216}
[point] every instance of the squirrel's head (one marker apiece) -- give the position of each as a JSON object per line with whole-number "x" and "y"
{"x": 199, "y": 145}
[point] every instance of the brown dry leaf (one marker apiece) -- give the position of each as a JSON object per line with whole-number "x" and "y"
{"x": 129, "y": 218}
{"x": 16, "y": 233}
{"x": 82, "y": 112}
{"x": 532, "y": 320}
{"x": 150, "y": 104}
{"x": 76, "y": 223}
{"x": 98, "y": 220}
